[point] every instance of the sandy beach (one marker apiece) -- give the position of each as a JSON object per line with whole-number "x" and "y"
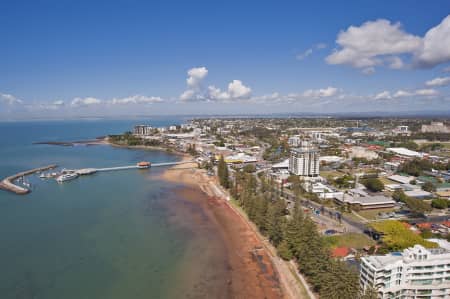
{"x": 255, "y": 271}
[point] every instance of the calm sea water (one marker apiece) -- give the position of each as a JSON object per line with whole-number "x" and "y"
{"x": 100, "y": 236}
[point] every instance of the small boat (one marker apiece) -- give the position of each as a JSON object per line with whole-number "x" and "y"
{"x": 25, "y": 182}
{"x": 66, "y": 177}
{"x": 143, "y": 165}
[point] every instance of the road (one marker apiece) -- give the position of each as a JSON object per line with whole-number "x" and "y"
{"x": 351, "y": 225}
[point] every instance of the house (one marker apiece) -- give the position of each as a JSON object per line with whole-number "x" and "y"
{"x": 340, "y": 252}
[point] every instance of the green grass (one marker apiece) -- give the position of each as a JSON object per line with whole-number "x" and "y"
{"x": 352, "y": 240}
{"x": 386, "y": 181}
{"x": 373, "y": 214}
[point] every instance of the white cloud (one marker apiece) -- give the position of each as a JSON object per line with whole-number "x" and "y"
{"x": 9, "y": 99}
{"x": 320, "y": 93}
{"x": 58, "y": 103}
{"x": 426, "y": 92}
{"x": 402, "y": 93}
{"x": 237, "y": 90}
{"x": 195, "y": 92}
{"x": 435, "y": 49}
{"x": 136, "y": 99}
{"x": 395, "y": 62}
{"x": 77, "y": 102}
{"x": 439, "y": 81}
{"x": 363, "y": 46}
{"x": 381, "y": 42}
{"x": 196, "y": 76}
{"x": 305, "y": 54}
{"x": 384, "y": 95}
{"x": 368, "y": 70}
{"x": 309, "y": 51}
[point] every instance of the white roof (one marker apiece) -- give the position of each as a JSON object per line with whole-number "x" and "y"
{"x": 404, "y": 152}
{"x": 330, "y": 159}
{"x": 401, "y": 178}
{"x": 283, "y": 164}
{"x": 417, "y": 193}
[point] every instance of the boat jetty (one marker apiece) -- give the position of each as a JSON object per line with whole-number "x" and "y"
{"x": 66, "y": 174}
{"x": 7, "y": 183}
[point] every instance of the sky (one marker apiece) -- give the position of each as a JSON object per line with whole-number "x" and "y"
{"x": 69, "y": 59}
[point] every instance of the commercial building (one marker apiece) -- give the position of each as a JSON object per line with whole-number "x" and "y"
{"x": 415, "y": 273}
{"x": 304, "y": 162}
{"x": 435, "y": 127}
{"x": 358, "y": 198}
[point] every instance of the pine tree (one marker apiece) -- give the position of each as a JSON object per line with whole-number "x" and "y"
{"x": 275, "y": 221}
{"x": 222, "y": 173}
{"x": 284, "y": 251}
{"x": 369, "y": 293}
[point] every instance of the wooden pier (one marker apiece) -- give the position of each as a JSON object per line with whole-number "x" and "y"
{"x": 8, "y": 185}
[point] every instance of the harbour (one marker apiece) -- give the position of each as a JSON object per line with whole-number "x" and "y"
{"x": 66, "y": 175}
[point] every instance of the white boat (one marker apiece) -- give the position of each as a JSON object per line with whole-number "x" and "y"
{"x": 66, "y": 177}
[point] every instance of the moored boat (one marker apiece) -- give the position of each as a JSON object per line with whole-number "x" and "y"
{"x": 66, "y": 177}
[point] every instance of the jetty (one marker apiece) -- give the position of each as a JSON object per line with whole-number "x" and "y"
{"x": 138, "y": 167}
{"x": 8, "y": 183}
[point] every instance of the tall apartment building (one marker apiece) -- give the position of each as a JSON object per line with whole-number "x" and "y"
{"x": 304, "y": 161}
{"x": 415, "y": 273}
{"x": 142, "y": 130}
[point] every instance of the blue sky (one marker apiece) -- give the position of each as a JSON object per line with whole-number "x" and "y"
{"x": 80, "y": 58}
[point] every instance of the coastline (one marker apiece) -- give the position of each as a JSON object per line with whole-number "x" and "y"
{"x": 255, "y": 269}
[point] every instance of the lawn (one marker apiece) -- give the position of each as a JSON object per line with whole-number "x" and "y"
{"x": 386, "y": 181}
{"x": 372, "y": 214}
{"x": 352, "y": 240}
{"x": 329, "y": 175}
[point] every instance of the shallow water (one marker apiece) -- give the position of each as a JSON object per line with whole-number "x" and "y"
{"x": 122, "y": 234}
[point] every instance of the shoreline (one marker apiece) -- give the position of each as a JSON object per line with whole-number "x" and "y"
{"x": 254, "y": 262}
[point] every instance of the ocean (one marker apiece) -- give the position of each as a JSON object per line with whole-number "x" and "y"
{"x": 121, "y": 234}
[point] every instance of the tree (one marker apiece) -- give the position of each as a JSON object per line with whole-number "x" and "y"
{"x": 222, "y": 172}
{"x": 339, "y": 282}
{"x": 428, "y": 186}
{"x": 439, "y": 203}
{"x": 369, "y": 293}
{"x": 275, "y": 221}
{"x": 374, "y": 185}
{"x": 249, "y": 168}
{"x": 399, "y": 195}
{"x": 284, "y": 251}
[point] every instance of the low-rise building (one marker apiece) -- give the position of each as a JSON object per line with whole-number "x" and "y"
{"x": 416, "y": 272}
{"x": 359, "y": 198}
{"x": 435, "y": 127}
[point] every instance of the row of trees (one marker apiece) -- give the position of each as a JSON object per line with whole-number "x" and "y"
{"x": 295, "y": 237}
{"x": 415, "y": 205}
{"x": 222, "y": 173}
{"x": 416, "y": 167}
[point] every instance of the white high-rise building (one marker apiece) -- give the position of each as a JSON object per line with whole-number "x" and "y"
{"x": 415, "y": 273}
{"x": 142, "y": 130}
{"x": 304, "y": 162}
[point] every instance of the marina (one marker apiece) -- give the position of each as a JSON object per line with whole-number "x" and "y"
{"x": 9, "y": 184}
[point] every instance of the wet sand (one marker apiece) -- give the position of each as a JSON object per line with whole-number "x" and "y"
{"x": 238, "y": 266}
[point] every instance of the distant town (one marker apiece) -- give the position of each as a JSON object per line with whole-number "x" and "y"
{"x": 378, "y": 189}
